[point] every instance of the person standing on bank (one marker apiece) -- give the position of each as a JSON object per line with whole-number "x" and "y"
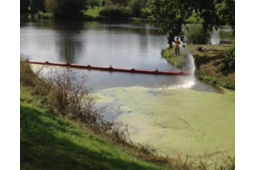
{"x": 177, "y": 48}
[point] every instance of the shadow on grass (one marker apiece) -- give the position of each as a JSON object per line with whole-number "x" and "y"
{"x": 224, "y": 67}
{"x": 206, "y": 59}
{"x": 43, "y": 145}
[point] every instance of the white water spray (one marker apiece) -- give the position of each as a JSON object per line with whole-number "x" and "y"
{"x": 189, "y": 66}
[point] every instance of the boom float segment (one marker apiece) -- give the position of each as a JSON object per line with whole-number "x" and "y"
{"x": 111, "y": 69}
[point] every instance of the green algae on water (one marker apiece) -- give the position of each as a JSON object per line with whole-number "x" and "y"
{"x": 174, "y": 121}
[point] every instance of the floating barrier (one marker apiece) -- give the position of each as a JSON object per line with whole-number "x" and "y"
{"x": 111, "y": 69}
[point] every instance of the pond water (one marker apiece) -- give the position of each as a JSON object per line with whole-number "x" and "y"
{"x": 122, "y": 45}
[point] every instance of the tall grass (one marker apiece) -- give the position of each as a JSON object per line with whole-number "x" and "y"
{"x": 67, "y": 94}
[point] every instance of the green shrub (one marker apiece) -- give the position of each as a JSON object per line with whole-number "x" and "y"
{"x": 230, "y": 56}
{"x": 136, "y": 6}
{"x": 72, "y": 99}
{"x": 145, "y": 13}
{"x": 195, "y": 34}
{"x": 93, "y": 3}
{"x": 103, "y": 2}
{"x": 116, "y": 12}
{"x": 42, "y": 15}
{"x": 66, "y": 9}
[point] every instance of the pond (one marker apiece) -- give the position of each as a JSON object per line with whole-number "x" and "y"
{"x": 181, "y": 111}
{"x": 122, "y": 45}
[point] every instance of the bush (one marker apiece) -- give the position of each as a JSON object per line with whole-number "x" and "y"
{"x": 230, "y": 56}
{"x": 116, "y": 12}
{"x": 65, "y": 93}
{"x": 136, "y": 6}
{"x": 145, "y": 13}
{"x": 41, "y": 15}
{"x": 27, "y": 76}
{"x": 72, "y": 99}
{"x": 93, "y": 3}
{"x": 195, "y": 34}
{"x": 66, "y": 9}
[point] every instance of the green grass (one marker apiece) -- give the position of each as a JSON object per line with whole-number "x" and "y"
{"x": 213, "y": 50}
{"x": 48, "y": 141}
{"x": 171, "y": 57}
{"x": 93, "y": 12}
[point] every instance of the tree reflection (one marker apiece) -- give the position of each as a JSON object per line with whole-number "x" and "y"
{"x": 69, "y": 44}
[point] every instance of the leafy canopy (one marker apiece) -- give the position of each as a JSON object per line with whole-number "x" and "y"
{"x": 66, "y": 9}
{"x": 171, "y": 15}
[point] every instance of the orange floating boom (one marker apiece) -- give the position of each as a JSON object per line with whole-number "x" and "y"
{"x": 112, "y": 68}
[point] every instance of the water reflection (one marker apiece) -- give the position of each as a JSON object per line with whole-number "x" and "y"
{"x": 68, "y": 41}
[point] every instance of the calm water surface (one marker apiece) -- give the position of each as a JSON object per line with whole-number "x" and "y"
{"x": 122, "y": 45}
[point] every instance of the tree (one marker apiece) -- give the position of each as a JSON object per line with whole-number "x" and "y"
{"x": 50, "y": 5}
{"x": 120, "y": 2}
{"x": 171, "y": 15}
{"x": 226, "y": 12}
{"x": 24, "y": 4}
{"x": 136, "y": 6}
{"x": 37, "y": 5}
{"x": 144, "y": 3}
{"x": 93, "y": 3}
{"x": 103, "y": 2}
{"x": 66, "y": 9}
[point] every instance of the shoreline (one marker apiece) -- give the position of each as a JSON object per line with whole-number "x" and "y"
{"x": 209, "y": 64}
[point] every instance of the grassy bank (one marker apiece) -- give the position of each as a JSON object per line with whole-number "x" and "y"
{"x": 92, "y": 14}
{"x": 48, "y": 141}
{"x": 210, "y": 64}
{"x": 53, "y": 140}
{"x": 171, "y": 57}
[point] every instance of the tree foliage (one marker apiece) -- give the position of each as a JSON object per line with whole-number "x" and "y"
{"x": 171, "y": 15}
{"x": 195, "y": 34}
{"x": 66, "y": 9}
{"x": 230, "y": 56}
{"x": 24, "y": 4}
{"x": 37, "y": 5}
{"x": 226, "y": 12}
{"x": 136, "y": 6}
{"x": 93, "y": 3}
{"x": 115, "y": 11}
{"x": 120, "y": 2}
